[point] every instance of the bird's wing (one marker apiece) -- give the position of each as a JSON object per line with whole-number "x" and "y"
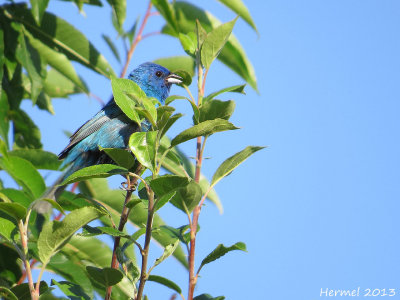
{"x": 110, "y": 111}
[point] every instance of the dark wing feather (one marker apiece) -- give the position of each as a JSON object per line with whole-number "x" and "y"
{"x": 111, "y": 110}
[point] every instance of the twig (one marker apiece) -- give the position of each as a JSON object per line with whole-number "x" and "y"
{"x": 97, "y": 98}
{"x": 24, "y": 243}
{"x": 124, "y": 218}
{"x": 137, "y": 39}
{"x": 145, "y": 253}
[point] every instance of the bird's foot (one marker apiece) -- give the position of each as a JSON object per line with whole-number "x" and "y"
{"x": 129, "y": 188}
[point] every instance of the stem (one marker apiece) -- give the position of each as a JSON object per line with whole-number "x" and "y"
{"x": 24, "y": 243}
{"x": 145, "y": 253}
{"x": 124, "y": 218}
{"x": 204, "y": 82}
{"x": 39, "y": 278}
{"x": 137, "y": 39}
{"x": 199, "y": 157}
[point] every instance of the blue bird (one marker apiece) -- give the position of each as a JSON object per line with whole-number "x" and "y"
{"x": 110, "y": 128}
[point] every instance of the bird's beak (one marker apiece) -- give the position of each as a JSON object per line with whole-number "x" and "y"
{"x": 173, "y": 78}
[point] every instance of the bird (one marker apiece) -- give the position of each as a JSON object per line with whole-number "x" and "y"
{"x": 110, "y": 127}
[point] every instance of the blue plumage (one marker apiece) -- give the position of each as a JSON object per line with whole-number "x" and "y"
{"x": 110, "y": 128}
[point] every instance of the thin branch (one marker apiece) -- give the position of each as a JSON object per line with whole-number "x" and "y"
{"x": 39, "y": 278}
{"x": 124, "y": 218}
{"x": 204, "y": 82}
{"x": 145, "y": 253}
{"x": 137, "y": 39}
{"x": 145, "y": 36}
{"x": 24, "y": 243}
{"x": 190, "y": 94}
{"x": 97, "y": 98}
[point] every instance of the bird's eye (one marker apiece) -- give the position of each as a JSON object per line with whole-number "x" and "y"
{"x": 158, "y": 73}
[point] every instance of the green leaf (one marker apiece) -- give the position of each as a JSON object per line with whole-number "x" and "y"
{"x": 105, "y": 276}
{"x": 44, "y": 102}
{"x": 231, "y": 55}
{"x": 186, "y": 198}
{"x": 17, "y": 196}
{"x": 26, "y": 133}
{"x": 148, "y": 109}
{"x": 238, "y": 7}
{"x": 122, "y": 157}
{"x": 165, "y": 9}
{"x": 164, "y": 112}
{"x": 203, "y": 129}
{"x": 127, "y": 95}
{"x": 189, "y": 42}
{"x": 54, "y": 204}
{"x": 9, "y": 265}
{"x": 200, "y": 34}
{"x": 142, "y": 145}
{"x": 131, "y": 32}
{"x": 98, "y": 189}
{"x": 235, "y": 89}
{"x": 220, "y": 251}
{"x": 55, "y": 234}
{"x": 93, "y": 231}
{"x": 177, "y": 163}
{"x": 8, "y": 227}
{"x": 178, "y": 63}
{"x": 38, "y": 8}
{"x": 119, "y": 8}
{"x": 57, "y": 85}
{"x": 4, "y": 119}
{"x": 80, "y": 250}
{"x": 58, "y": 61}
{"x": 40, "y": 159}
{"x": 232, "y": 162}
{"x": 72, "y": 290}
{"x": 168, "y": 250}
{"x": 112, "y": 47}
{"x": 3, "y": 148}
{"x": 96, "y": 171}
{"x": 72, "y": 270}
{"x": 166, "y": 282}
{"x": 166, "y": 184}
{"x": 62, "y": 36}
{"x": 15, "y": 210}
{"x": 25, "y": 174}
{"x": 179, "y": 233}
{"x": 5, "y": 293}
{"x": 216, "y": 109}
{"x": 208, "y": 297}
{"x": 22, "y": 290}
{"x": 29, "y": 58}
{"x": 215, "y": 41}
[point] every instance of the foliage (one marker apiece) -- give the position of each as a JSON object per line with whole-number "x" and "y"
{"x": 38, "y": 55}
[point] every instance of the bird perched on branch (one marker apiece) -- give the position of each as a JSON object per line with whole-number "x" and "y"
{"x": 110, "y": 128}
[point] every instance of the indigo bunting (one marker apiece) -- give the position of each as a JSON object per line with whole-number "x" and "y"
{"x": 110, "y": 128}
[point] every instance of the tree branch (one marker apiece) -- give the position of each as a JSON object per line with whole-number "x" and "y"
{"x": 124, "y": 218}
{"x": 137, "y": 39}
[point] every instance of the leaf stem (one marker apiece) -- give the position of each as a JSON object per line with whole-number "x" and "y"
{"x": 137, "y": 39}
{"x": 24, "y": 252}
{"x": 204, "y": 82}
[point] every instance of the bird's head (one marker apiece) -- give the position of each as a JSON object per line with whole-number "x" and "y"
{"x": 154, "y": 80}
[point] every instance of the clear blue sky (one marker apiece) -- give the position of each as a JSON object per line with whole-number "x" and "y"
{"x": 319, "y": 208}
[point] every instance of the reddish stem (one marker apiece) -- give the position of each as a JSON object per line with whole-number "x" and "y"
{"x": 137, "y": 39}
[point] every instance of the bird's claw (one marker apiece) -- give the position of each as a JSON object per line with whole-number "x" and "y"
{"x": 125, "y": 186}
